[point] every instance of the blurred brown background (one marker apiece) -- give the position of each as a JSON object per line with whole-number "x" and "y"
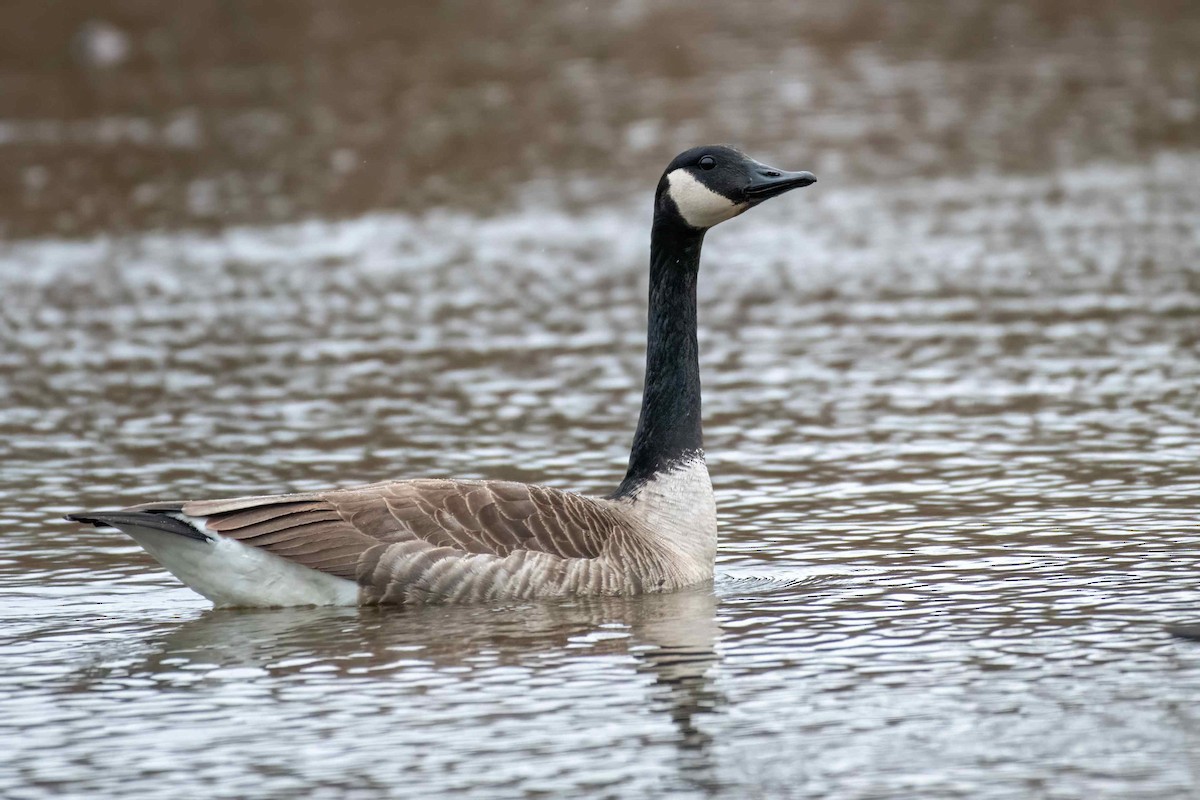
{"x": 125, "y": 114}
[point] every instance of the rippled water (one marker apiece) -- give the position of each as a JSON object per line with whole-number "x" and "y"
{"x": 953, "y": 433}
{"x": 951, "y": 416}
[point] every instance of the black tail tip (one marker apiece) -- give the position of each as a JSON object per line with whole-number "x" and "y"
{"x": 153, "y": 520}
{"x": 84, "y": 519}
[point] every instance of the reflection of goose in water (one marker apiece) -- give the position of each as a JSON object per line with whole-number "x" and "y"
{"x": 460, "y": 541}
{"x": 383, "y": 659}
{"x": 345, "y": 638}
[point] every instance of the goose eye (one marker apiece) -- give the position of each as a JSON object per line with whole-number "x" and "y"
{"x": 707, "y": 162}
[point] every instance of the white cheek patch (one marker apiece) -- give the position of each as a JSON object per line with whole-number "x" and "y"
{"x": 699, "y": 206}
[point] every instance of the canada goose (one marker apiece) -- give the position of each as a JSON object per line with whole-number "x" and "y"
{"x": 424, "y": 541}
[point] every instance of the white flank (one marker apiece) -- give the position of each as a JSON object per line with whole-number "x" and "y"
{"x": 230, "y": 573}
{"x": 699, "y": 206}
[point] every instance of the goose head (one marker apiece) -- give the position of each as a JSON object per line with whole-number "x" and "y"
{"x": 707, "y": 185}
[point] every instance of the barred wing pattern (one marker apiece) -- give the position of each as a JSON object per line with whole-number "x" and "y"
{"x": 441, "y": 540}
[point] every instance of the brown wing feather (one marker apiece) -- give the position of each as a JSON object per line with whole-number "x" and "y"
{"x": 340, "y": 531}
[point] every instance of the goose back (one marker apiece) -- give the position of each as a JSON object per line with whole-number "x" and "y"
{"x": 459, "y": 541}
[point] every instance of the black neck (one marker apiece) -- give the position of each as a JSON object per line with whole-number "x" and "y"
{"x": 669, "y": 427}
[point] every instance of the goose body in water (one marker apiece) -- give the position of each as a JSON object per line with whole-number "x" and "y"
{"x": 421, "y": 541}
